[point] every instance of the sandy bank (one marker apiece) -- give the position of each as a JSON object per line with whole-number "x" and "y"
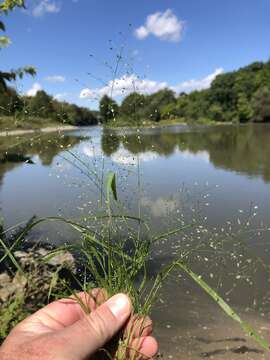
{"x": 34, "y": 131}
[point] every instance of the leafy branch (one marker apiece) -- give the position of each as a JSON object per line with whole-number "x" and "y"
{"x": 8, "y": 76}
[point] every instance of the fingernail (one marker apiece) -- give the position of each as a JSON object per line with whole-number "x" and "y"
{"x": 120, "y": 306}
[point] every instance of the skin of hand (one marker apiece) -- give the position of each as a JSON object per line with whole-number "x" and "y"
{"x": 64, "y": 331}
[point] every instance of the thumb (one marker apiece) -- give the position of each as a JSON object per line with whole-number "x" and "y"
{"x": 90, "y": 333}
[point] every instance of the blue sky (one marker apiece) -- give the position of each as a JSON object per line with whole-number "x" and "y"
{"x": 179, "y": 44}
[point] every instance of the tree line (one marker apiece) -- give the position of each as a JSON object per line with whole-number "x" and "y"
{"x": 43, "y": 106}
{"x": 239, "y": 96}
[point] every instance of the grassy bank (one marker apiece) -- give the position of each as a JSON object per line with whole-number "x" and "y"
{"x": 11, "y": 126}
{"x": 27, "y": 123}
{"x": 125, "y": 123}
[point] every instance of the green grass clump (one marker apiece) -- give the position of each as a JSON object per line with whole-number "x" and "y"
{"x": 11, "y": 314}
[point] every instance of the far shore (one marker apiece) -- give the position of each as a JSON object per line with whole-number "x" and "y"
{"x": 163, "y": 124}
{"x": 41, "y": 130}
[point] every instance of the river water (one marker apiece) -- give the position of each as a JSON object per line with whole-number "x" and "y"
{"x": 218, "y": 175}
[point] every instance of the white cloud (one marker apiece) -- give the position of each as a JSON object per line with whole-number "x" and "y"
{"x": 201, "y": 155}
{"x": 34, "y": 89}
{"x": 164, "y": 25}
{"x": 123, "y": 86}
{"x": 61, "y": 96}
{"x": 141, "y": 32}
{"x": 130, "y": 83}
{"x": 198, "y": 84}
{"x": 55, "y": 78}
{"x": 161, "y": 207}
{"x": 124, "y": 157}
{"x": 46, "y": 6}
{"x": 92, "y": 150}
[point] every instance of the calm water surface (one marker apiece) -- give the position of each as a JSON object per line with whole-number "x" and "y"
{"x": 220, "y": 174}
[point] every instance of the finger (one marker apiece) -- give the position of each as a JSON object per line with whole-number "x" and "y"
{"x": 143, "y": 348}
{"x": 90, "y": 333}
{"x": 90, "y": 301}
{"x": 100, "y": 296}
{"x": 138, "y": 326}
{"x": 62, "y": 313}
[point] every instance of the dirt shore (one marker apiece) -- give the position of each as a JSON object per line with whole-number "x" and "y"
{"x": 192, "y": 327}
{"x": 34, "y": 131}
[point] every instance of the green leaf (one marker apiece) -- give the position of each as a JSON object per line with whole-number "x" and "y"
{"x": 2, "y": 26}
{"x": 224, "y": 306}
{"x": 111, "y": 186}
{"x": 4, "y": 41}
{"x": 9, "y": 5}
{"x": 25, "y": 70}
{"x": 30, "y": 70}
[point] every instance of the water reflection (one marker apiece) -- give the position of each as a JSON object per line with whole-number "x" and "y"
{"x": 15, "y": 151}
{"x": 244, "y": 149}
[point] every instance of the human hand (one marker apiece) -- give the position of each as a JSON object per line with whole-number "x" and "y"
{"x": 63, "y": 331}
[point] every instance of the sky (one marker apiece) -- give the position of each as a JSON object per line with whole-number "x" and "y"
{"x": 83, "y": 49}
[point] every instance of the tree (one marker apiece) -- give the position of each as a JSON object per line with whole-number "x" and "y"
{"x": 155, "y": 102}
{"x": 216, "y": 112}
{"x": 151, "y": 111}
{"x": 163, "y": 97}
{"x": 10, "y": 102}
{"x": 261, "y": 105}
{"x": 132, "y": 106}
{"x": 182, "y": 106}
{"x": 41, "y": 105}
{"x": 240, "y": 95}
{"x": 168, "y": 111}
{"x": 244, "y": 109}
{"x": 8, "y": 76}
{"x": 223, "y": 92}
{"x": 108, "y": 109}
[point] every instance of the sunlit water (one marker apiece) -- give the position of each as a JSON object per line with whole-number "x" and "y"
{"x": 220, "y": 174}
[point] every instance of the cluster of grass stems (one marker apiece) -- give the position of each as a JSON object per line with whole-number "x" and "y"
{"x": 120, "y": 264}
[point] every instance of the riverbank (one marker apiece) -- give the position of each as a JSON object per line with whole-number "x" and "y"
{"x": 38, "y": 130}
{"x": 189, "y": 325}
{"x": 214, "y": 336}
{"x": 161, "y": 124}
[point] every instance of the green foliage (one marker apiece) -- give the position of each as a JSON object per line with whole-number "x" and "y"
{"x": 215, "y": 112}
{"x": 244, "y": 109}
{"x": 4, "y": 41}
{"x": 261, "y": 104}
{"x": 108, "y": 109}
{"x": 11, "y": 315}
{"x": 41, "y": 104}
{"x": 131, "y": 107}
{"x": 168, "y": 111}
{"x": 8, "y": 76}
{"x": 238, "y": 96}
{"x": 8, "y": 5}
{"x": 10, "y": 102}
{"x": 111, "y": 186}
{"x": 33, "y": 109}
{"x": 155, "y": 102}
